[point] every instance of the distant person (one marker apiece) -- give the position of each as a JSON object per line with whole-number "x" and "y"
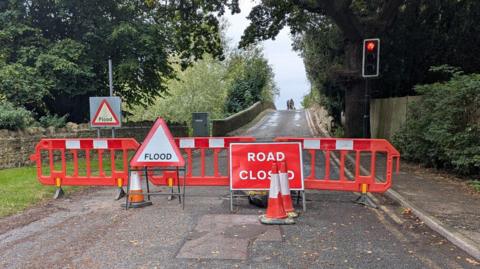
{"x": 292, "y": 104}
{"x": 288, "y": 104}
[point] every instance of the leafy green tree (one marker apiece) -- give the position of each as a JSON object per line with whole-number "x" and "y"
{"x": 201, "y": 87}
{"x": 252, "y": 80}
{"x": 23, "y": 86}
{"x": 210, "y": 85}
{"x": 13, "y": 117}
{"x": 64, "y": 45}
{"x": 356, "y": 20}
{"x": 414, "y": 36}
{"x": 443, "y": 127}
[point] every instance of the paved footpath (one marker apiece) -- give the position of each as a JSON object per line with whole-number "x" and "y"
{"x": 450, "y": 206}
{"x": 90, "y": 230}
{"x": 446, "y": 204}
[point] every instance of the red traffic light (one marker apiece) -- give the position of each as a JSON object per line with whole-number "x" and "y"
{"x": 371, "y": 58}
{"x": 370, "y": 46}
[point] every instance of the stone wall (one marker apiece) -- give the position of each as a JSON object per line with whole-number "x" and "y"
{"x": 16, "y": 147}
{"x": 223, "y": 126}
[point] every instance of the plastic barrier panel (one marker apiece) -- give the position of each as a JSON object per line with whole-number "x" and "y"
{"x": 347, "y": 164}
{"x": 206, "y": 161}
{"x": 82, "y": 162}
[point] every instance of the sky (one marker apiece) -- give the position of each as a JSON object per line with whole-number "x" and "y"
{"x": 290, "y": 76}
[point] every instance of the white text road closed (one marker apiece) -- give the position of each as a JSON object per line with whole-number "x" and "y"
{"x": 251, "y": 164}
{"x": 158, "y": 149}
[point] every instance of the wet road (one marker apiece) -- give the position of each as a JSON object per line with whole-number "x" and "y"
{"x": 89, "y": 230}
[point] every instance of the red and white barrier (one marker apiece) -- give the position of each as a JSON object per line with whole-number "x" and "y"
{"x": 203, "y": 146}
{"x": 343, "y": 146}
{"x": 49, "y": 152}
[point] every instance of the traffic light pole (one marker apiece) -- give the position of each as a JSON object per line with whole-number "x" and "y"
{"x": 366, "y": 112}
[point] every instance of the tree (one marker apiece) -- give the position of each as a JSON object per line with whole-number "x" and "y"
{"x": 202, "y": 87}
{"x": 63, "y": 46}
{"x": 252, "y": 80}
{"x": 210, "y": 85}
{"x": 355, "y": 19}
{"x": 425, "y": 33}
{"x": 443, "y": 127}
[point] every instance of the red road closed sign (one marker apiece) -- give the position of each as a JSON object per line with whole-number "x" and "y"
{"x": 250, "y": 164}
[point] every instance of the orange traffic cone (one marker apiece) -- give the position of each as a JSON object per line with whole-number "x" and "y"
{"x": 285, "y": 191}
{"x": 275, "y": 212}
{"x": 135, "y": 194}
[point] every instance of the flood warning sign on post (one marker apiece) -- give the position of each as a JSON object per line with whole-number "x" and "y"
{"x": 158, "y": 148}
{"x": 105, "y": 111}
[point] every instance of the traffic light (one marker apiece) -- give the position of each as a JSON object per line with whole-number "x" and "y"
{"x": 371, "y": 57}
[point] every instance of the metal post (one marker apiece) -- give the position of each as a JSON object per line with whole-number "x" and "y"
{"x": 366, "y": 114}
{"x": 110, "y": 76}
{"x": 304, "y": 201}
{"x": 145, "y": 170}
{"x": 110, "y": 80}
{"x": 127, "y": 199}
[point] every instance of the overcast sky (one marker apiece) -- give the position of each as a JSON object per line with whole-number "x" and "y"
{"x": 288, "y": 67}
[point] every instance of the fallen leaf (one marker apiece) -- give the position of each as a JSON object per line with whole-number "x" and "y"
{"x": 407, "y": 211}
{"x": 472, "y": 261}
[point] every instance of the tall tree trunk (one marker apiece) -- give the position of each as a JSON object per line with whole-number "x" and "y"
{"x": 354, "y": 108}
{"x": 355, "y": 91}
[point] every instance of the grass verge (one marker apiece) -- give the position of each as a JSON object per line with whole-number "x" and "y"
{"x": 475, "y": 184}
{"x": 19, "y": 189}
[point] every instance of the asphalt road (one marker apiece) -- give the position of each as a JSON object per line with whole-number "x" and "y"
{"x": 90, "y": 230}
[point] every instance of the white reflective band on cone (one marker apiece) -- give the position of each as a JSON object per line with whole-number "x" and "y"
{"x": 187, "y": 143}
{"x": 284, "y": 184}
{"x": 72, "y": 144}
{"x": 274, "y": 185}
{"x": 135, "y": 182}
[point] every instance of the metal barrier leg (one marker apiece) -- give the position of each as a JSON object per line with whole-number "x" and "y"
{"x": 363, "y": 199}
{"x": 120, "y": 193}
{"x": 231, "y": 201}
{"x": 304, "y": 201}
{"x": 179, "y": 191}
{"x": 58, "y": 193}
{"x": 184, "y": 184}
{"x": 170, "y": 186}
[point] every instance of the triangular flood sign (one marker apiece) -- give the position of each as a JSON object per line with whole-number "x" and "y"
{"x": 158, "y": 148}
{"x": 105, "y": 115}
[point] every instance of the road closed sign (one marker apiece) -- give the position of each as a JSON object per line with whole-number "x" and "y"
{"x": 251, "y": 164}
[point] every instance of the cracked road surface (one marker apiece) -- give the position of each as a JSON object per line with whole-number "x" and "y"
{"x": 90, "y": 230}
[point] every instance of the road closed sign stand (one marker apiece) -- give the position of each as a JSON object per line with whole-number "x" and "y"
{"x": 159, "y": 153}
{"x": 251, "y": 164}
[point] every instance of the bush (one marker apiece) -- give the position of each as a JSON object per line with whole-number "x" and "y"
{"x": 53, "y": 121}
{"x": 443, "y": 128}
{"x": 14, "y": 118}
